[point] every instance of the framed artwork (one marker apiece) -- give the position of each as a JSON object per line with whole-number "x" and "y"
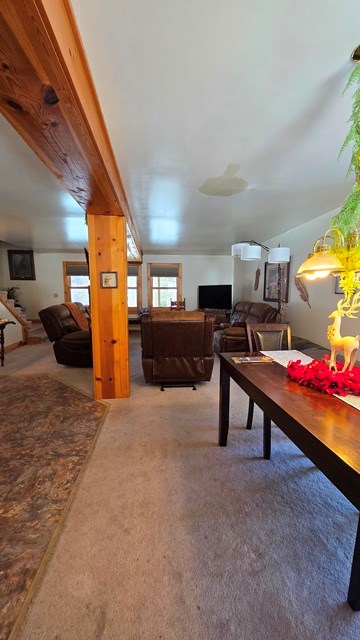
{"x": 21, "y": 264}
{"x": 108, "y": 279}
{"x": 338, "y": 289}
{"x": 275, "y": 274}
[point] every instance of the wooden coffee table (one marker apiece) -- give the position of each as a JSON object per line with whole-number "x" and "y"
{"x": 326, "y": 429}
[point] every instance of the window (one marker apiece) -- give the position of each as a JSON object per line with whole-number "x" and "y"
{"x": 76, "y": 282}
{"x": 164, "y": 284}
{"x": 134, "y": 287}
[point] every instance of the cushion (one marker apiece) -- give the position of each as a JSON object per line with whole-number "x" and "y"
{"x": 166, "y": 315}
{"x": 77, "y": 340}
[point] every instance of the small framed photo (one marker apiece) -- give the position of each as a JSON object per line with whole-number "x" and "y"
{"x": 108, "y": 280}
{"x": 276, "y": 282}
{"x": 21, "y": 264}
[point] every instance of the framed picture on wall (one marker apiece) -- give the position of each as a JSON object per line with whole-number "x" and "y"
{"x": 337, "y": 287}
{"x": 21, "y": 264}
{"x": 276, "y": 274}
{"x": 108, "y": 280}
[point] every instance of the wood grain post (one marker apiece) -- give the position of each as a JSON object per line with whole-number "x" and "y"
{"x": 109, "y": 315}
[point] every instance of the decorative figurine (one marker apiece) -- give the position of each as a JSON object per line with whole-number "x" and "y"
{"x": 348, "y": 344}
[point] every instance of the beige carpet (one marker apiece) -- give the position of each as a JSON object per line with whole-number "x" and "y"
{"x": 171, "y": 537}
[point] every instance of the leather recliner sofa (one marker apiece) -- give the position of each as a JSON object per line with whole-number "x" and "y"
{"x": 177, "y": 346}
{"x": 72, "y": 345}
{"x": 231, "y": 336}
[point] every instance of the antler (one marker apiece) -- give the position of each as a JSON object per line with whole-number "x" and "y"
{"x": 341, "y": 306}
{"x": 354, "y": 306}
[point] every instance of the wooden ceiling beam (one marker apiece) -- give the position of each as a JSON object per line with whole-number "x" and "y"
{"x": 48, "y": 96}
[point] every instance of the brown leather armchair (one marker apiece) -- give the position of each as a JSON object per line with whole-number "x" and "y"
{"x": 232, "y": 336}
{"x": 72, "y": 345}
{"x": 177, "y": 346}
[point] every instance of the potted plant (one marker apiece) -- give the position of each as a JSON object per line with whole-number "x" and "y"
{"x": 13, "y": 293}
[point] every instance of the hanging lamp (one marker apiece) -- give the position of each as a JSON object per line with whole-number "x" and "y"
{"x": 323, "y": 261}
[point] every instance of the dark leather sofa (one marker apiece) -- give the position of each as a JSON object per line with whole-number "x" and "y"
{"x": 231, "y": 336}
{"x": 177, "y": 346}
{"x": 72, "y": 345}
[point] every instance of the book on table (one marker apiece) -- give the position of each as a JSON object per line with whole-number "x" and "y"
{"x": 251, "y": 359}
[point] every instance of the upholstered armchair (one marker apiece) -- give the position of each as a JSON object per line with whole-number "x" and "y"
{"x": 231, "y": 336}
{"x": 68, "y": 327}
{"x": 177, "y": 346}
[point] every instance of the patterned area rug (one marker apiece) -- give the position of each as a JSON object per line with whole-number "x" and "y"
{"x": 46, "y": 433}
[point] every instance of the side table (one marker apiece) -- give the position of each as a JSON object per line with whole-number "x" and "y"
{"x": 3, "y": 324}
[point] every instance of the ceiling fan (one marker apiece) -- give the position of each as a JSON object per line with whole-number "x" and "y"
{"x": 228, "y": 184}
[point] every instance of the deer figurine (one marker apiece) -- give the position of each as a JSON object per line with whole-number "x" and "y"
{"x": 348, "y": 344}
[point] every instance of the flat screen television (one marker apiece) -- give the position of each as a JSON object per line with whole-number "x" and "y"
{"x": 215, "y": 296}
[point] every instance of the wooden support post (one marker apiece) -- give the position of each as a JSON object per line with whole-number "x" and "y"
{"x": 109, "y": 315}
{"x": 47, "y": 95}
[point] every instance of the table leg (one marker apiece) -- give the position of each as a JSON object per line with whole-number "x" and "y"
{"x": 224, "y": 404}
{"x": 354, "y": 586}
{"x": 250, "y": 414}
{"x": 266, "y": 437}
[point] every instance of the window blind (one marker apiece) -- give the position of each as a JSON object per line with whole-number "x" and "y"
{"x": 164, "y": 271}
{"x": 133, "y": 269}
{"x": 77, "y": 269}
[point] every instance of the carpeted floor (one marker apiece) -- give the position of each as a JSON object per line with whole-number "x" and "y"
{"x": 171, "y": 537}
{"x": 47, "y": 430}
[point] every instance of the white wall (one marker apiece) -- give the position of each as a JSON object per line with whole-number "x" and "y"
{"x": 308, "y": 323}
{"x": 47, "y": 289}
{"x": 195, "y": 270}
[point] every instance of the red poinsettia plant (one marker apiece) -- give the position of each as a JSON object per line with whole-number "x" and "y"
{"x": 318, "y": 375}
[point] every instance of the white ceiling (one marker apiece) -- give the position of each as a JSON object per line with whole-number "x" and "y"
{"x": 191, "y": 90}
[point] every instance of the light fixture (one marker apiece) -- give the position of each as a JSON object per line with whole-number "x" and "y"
{"x": 251, "y": 250}
{"x": 279, "y": 255}
{"x": 323, "y": 261}
{"x": 236, "y": 249}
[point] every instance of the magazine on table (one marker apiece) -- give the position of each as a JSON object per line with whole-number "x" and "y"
{"x": 251, "y": 359}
